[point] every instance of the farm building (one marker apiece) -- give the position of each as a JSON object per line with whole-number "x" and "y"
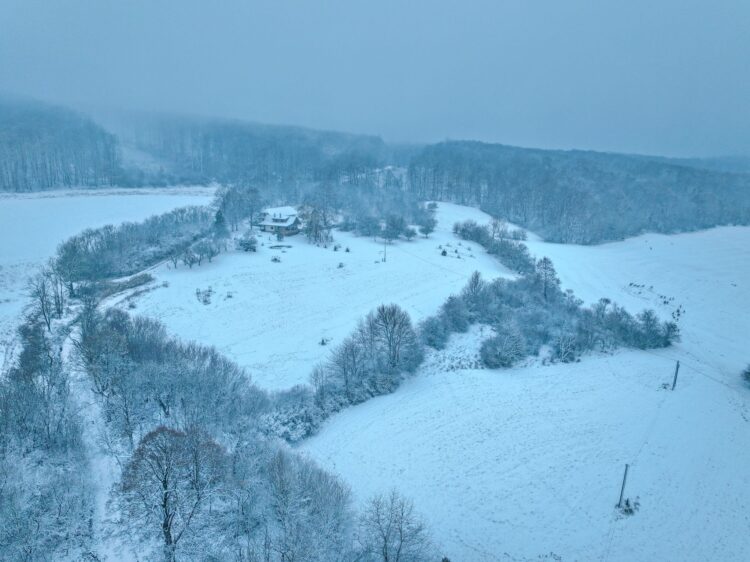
{"x": 280, "y": 220}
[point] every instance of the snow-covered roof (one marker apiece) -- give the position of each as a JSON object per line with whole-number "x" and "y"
{"x": 280, "y": 211}
{"x": 278, "y": 221}
{"x": 279, "y": 216}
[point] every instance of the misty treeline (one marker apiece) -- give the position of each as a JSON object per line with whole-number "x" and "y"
{"x": 46, "y": 500}
{"x": 201, "y": 479}
{"x": 566, "y": 196}
{"x": 228, "y": 151}
{"x": 46, "y": 147}
{"x": 578, "y": 196}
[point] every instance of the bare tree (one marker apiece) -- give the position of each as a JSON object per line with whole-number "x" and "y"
{"x": 498, "y": 229}
{"x": 41, "y": 294}
{"x": 57, "y": 286}
{"x": 391, "y": 531}
{"x": 348, "y": 365}
{"x": 168, "y": 483}
{"x": 395, "y": 332}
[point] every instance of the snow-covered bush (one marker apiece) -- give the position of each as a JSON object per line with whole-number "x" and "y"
{"x": 504, "y": 349}
{"x": 434, "y": 332}
{"x": 248, "y": 243}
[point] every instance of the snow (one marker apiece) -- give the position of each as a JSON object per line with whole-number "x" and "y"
{"x": 32, "y": 225}
{"x": 514, "y": 464}
{"x": 278, "y": 313}
{"x": 286, "y": 211}
{"x": 504, "y": 464}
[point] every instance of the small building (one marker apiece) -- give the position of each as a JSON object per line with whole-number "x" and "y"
{"x": 280, "y": 220}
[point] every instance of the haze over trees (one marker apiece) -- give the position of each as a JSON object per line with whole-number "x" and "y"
{"x": 566, "y": 196}
{"x": 577, "y": 196}
{"x": 47, "y": 147}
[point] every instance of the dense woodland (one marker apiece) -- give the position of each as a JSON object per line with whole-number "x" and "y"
{"x": 577, "y": 196}
{"x": 44, "y": 147}
{"x": 202, "y": 150}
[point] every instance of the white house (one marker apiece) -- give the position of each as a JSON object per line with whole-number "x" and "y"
{"x": 284, "y": 220}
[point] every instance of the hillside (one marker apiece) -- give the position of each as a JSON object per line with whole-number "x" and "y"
{"x": 227, "y": 150}
{"x": 578, "y": 196}
{"x": 48, "y": 147}
{"x": 514, "y": 464}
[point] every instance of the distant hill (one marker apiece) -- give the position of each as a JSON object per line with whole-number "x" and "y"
{"x": 46, "y": 147}
{"x": 580, "y": 196}
{"x": 211, "y": 149}
{"x": 733, "y": 164}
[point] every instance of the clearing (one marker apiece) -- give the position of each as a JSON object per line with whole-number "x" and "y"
{"x": 271, "y": 317}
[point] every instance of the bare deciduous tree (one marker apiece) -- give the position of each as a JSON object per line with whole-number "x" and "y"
{"x": 41, "y": 294}
{"x": 391, "y": 531}
{"x": 168, "y": 483}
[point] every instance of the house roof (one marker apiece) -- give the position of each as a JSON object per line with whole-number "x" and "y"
{"x": 280, "y": 211}
{"x": 270, "y": 221}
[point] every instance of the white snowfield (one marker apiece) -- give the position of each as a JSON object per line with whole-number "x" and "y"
{"x": 32, "y": 225}
{"x": 271, "y": 317}
{"x": 515, "y": 464}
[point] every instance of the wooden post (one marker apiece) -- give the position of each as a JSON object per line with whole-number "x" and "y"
{"x": 622, "y": 490}
{"x": 676, "y": 370}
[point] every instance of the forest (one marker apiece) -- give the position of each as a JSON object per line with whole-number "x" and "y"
{"x": 577, "y": 196}
{"x": 47, "y": 147}
{"x": 201, "y": 150}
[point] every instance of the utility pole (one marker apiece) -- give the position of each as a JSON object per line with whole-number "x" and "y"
{"x": 385, "y": 247}
{"x": 676, "y": 370}
{"x": 622, "y": 490}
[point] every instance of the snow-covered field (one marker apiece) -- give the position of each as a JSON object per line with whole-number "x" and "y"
{"x": 505, "y": 465}
{"x": 513, "y": 464}
{"x": 32, "y": 225}
{"x": 279, "y": 312}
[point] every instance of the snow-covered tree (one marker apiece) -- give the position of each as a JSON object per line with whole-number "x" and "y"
{"x": 390, "y": 530}
{"x": 168, "y": 484}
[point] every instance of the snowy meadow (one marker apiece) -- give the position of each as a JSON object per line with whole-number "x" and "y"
{"x": 32, "y": 225}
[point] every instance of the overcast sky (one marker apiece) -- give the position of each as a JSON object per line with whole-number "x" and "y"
{"x": 650, "y": 76}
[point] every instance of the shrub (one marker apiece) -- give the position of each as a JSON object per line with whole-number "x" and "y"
{"x": 248, "y": 243}
{"x": 504, "y": 349}
{"x": 434, "y": 332}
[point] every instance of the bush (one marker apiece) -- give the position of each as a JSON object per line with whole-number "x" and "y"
{"x": 456, "y": 314}
{"x": 248, "y": 243}
{"x": 434, "y": 332}
{"x": 746, "y": 373}
{"x": 504, "y": 349}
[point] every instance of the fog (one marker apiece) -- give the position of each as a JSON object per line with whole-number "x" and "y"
{"x": 669, "y": 77}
